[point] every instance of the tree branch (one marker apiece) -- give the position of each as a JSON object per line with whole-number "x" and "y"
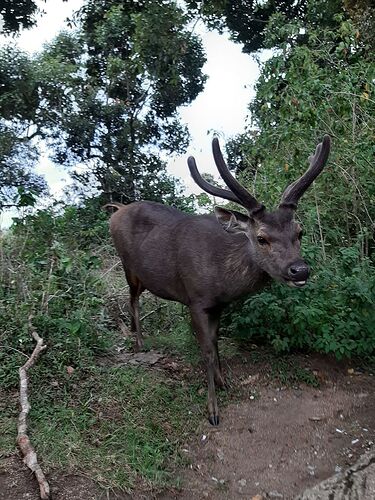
{"x": 23, "y": 441}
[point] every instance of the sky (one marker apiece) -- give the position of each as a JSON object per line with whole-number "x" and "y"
{"x": 221, "y": 108}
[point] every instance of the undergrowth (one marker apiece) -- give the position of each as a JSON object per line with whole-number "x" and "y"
{"x": 334, "y": 313}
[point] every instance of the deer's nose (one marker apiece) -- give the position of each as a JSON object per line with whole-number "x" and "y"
{"x": 299, "y": 272}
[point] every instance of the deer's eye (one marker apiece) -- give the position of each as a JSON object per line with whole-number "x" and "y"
{"x": 262, "y": 241}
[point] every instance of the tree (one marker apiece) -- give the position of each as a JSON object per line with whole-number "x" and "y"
{"x": 18, "y": 14}
{"x": 18, "y": 183}
{"x": 319, "y": 79}
{"x": 248, "y": 20}
{"x": 106, "y": 95}
{"x": 362, "y": 13}
{"x": 19, "y": 125}
{"x": 112, "y": 91}
{"x": 323, "y": 83}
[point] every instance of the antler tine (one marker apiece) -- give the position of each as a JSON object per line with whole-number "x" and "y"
{"x": 247, "y": 199}
{"x": 317, "y": 162}
{"x": 206, "y": 186}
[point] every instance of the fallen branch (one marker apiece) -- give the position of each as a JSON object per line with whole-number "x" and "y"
{"x": 23, "y": 441}
{"x": 161, "y": 306}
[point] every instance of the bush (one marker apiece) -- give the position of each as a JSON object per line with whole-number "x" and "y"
{"x": 335, "y": 313}
{"x": 50, "y": 270}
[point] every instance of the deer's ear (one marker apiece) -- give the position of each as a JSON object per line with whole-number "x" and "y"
{"x": 232, "y": 221}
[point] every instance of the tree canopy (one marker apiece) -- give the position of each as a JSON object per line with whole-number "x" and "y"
{"x": 106, "y": 95}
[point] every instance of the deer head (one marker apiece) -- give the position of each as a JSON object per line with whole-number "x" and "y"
{"x": 273, "y": 237}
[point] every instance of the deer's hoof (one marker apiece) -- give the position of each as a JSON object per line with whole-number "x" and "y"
{"x": 214, "y": 420}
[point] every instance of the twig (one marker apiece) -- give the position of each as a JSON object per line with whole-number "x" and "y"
{"x": 14, "y": 349}
{"x": 23, "y": 441}
{"x": 152, "y": 312}
{"x": 45, "y": 295}
{"x": 319, "y": 225}
{"x": 109, "y": 270}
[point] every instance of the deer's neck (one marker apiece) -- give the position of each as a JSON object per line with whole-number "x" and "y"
{"x": 242, "y": 272}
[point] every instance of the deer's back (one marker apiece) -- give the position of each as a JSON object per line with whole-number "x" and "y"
{"x": 172, "y": 253}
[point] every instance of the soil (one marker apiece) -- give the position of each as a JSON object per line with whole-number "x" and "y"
{"x": 272, "y": 441}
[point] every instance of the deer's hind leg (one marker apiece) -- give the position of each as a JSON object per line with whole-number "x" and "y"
{"x": 136, "y": 288}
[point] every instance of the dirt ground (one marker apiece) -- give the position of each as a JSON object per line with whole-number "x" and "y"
{"x": 273, "y": 441}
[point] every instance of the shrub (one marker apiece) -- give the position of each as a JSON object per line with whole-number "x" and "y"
{"x": 334, "y": 313}
{"x": 49, "y": 270}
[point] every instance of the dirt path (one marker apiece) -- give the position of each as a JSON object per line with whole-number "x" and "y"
{"x": 278, "y": 441}
{"x": 279, "y": 444}
{"x": 273, "y": 441}
{"x": 283, "y": 440}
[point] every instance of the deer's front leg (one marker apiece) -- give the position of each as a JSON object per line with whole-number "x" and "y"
{"x": 206, "y": 326}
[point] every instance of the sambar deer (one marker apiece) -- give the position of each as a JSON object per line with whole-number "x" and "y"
{"x": 206, "y": 261}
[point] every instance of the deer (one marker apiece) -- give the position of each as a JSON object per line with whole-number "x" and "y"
{"x": 207, "y": 261}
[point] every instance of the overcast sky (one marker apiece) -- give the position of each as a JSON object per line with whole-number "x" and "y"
{"x": 220, "y": 108}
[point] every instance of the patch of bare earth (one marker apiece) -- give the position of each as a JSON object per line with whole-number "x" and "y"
{"x": 17, "y": 483}
{"x": 276, "y": 441}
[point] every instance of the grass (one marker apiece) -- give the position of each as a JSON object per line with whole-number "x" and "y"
{"x": 169, "y": 330}
{"x": 179, "y": 341}
{"x": 122, "y": 426}
{"x": 7, "y": 435}
{"x": 172, "y": 334}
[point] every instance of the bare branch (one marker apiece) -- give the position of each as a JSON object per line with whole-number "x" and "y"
{"x": 23, "y": 441}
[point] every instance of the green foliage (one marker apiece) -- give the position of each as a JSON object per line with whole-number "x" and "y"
{"x": 334, "y": 314}
{"x": 320, "y": 83}
{"x": 51, "y": 271}
{"x": 124, "y": 427}
{"x": 115, "y": 89}
{"x": 170, "y": 331}
{"x": 249, "y": 21}
{"x": 106, "y": 96}
{"x": 362, "y": 12}
{"x": 17, "y": 14}
{"x": 18, "y": 104}
{"x": 298, "y": 96}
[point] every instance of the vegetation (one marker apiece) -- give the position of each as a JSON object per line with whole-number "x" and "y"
{"x": 123, "y": 425}
{"x": 17, "y": 15}
{"x": 101, "y": 95}
{"x": 323, "y": 82}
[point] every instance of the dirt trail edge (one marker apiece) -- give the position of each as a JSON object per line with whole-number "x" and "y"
{"x": 356, "y": 483}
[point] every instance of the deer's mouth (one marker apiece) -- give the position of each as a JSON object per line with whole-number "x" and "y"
{"x": 296, "y": 284}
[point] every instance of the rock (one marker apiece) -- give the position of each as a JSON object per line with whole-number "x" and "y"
{"x": 355, "y": 483}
